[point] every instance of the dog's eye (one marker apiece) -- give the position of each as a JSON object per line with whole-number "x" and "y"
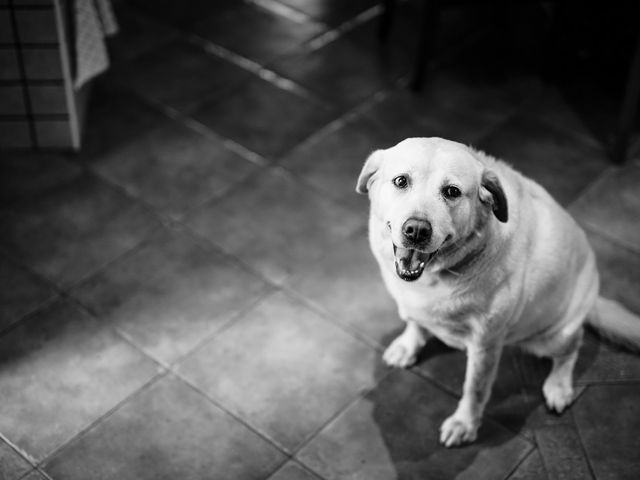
{"x": 451, "y": 192}
{"x": 401, "y": 181}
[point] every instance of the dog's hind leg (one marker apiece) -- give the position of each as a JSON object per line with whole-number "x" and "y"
{"x": 558, "y": 387}
{"x": 403, "y": 351}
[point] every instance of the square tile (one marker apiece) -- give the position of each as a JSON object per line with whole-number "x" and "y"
{"x": 21, "y": 292}
{"x": 287, "y": 357}
{"x": 65, "y": 223}
{"x": 608, "y": 422}
{"x": 393, "y": 433}
{"x": 562, "y": 453}
{"x": 612, "y": 206}
{"x": 37, "y": 25}
{"x": 48, "y": 99}
{"x": 561, "y": 162}
{"x": 331, "y": 162}
{"x": 15, "y": 134}
{"x": 54, "y": 134}
{"x": 42, "y": 63}
{"x": 179, "y": 75}
{"x": 62, "y": 370}
{"x": 256, "y": 33}
{"x": 174, "y": 168}
{"x": 332, "y": 73}
{"x": 167, "y": 431}
{"x": 275, "y": 224}
{"x": 265, "y": 118}
{"x": 12, "y": 465}
{"x": 346, "y": 283}
{"x": 332, "y": 12}
{"x": 12, "y": 100}
{"x": 170, "y": 294}
{"x": 9, "y": 63}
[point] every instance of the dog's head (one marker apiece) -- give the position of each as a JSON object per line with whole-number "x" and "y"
{"x": 431, "y": 194}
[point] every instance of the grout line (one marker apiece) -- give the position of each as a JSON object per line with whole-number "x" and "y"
{"x": 524, "y": 459}
{"x": 91, "y": 425}
{"x": 22, "y": 453}
{"x": 594, "y": 229}
{"x": 284, "y": 11}
{"x": 329, "y": 36}
{"x": 585, "y": 454}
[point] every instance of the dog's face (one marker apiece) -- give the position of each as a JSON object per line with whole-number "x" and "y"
{"x": 431, "y": 194}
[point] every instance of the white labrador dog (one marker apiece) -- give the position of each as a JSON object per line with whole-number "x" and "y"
{"x": 480, "y": 256}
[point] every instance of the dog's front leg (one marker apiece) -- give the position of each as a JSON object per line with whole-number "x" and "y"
{"x": 482, "y": 365}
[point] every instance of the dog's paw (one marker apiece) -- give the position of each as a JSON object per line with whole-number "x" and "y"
{"x": 400, "y": 353}
{"x": 456, "y": 431}
{"x": 558, "y": 395}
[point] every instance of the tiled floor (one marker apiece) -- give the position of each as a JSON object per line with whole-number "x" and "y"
{"x": 192, "y": 295}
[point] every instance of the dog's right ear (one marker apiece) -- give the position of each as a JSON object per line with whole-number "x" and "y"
{"x": 370, "y": 167}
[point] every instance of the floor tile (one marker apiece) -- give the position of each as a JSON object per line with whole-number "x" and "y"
{"x": 167, "y": 431}
{"x": 170, "y": 294}
{"x": 137, "y": 34}
{"x": 248, "y": 117}
{"x": 562, "y": 453}
{"x": 332, "y": 162}
{"x": 346, "y": 283}
{"x": 287, "y": 357}
{"x": 340, "y": 72}
{"x": 275, "y": 224}
{"x": 177, "y": 13}
{"x": 531, "y": 468}
{"x": 619, "y": 269}
{"x": 62, "y": 369}
{"x": 174, "y": 168}
{"x": 293, "y": 471}
{"x": 21, "y": 292}
{"x": 34, "y": 475}
{"x": 559, "y": 161}
{"x": 179, "y": 75}
{"x": 393, "y": 433}
{"x": 608, "y": 421}
{"x": 12, "y": 465}
{"x": 67, "y": 225}
{"x": 332, "y": 12}
{"x": 263, "y": 35}
{"x": 603, "y": 362}
{"x": 612, "y": 206}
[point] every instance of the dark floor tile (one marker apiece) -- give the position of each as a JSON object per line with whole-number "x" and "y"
{"x": 61, "y": 370}
{"x": 34, "y": 475}
{"x": 12, "y": 465}
{"x": 603, "y": 362}
{"x": 558, "y": 160}
{"x": 608, "y": 420}
{"x": 393, "y": 433}
{"x": 332, "y": 12}
{"x": 613, "y": 205}
{"x": 275, "y": 224}
{"x": 113, "y": 119}
{"x": 531, "y": 468}
{"x": 346, "y": 283}
{"x": 137, "y": 34}
{"x": 21, "y": 292}
{"x": 167, "y": 431}
{"x": 67, "y": 226}
{"x": 562, "y": 453}
{"x": 619, "y": 270}
{"x": 332, "y": 162}
{"x": 341, "y": 72}
{"x": 170, "y": 294}
{"x": 181, "y": 13}
{"x": 257, "y": 33}
{"x": 293, "y": 471}
{"x": 179, "y": 75}
{"x": 265, "y": 118}
{"x": 174, "y": 168}
{"x": 300, "y": 369}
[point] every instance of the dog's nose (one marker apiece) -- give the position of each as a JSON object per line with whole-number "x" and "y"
{"x": 416, "y": 230}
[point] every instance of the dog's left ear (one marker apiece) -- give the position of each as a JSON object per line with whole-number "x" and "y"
{"x": 491, "y": 192}
{"x": 370, "y": 167}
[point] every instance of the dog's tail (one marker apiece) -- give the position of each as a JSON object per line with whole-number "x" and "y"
{"x": 616, "y": 323}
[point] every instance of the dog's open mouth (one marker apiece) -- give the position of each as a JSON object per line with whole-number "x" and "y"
{"x": 410, "y": 263}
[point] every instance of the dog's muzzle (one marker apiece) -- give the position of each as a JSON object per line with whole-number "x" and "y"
{"x": 410, "y": 263}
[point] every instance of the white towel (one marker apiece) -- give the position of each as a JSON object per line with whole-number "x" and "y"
{"x": 94, "y": 21}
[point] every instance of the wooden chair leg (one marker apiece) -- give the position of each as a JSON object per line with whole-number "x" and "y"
{"x": 629, "y": 107}
{"x": 426, "y": 43}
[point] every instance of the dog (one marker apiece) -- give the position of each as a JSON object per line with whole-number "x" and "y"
{"x": 480, "y": 256}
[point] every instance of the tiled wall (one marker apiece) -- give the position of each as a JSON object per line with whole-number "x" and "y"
{"x": 37, "y": 101}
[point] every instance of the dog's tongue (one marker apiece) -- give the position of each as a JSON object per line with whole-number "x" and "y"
{"x": 409, "y": 259}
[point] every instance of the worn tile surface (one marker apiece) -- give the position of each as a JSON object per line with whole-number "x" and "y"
{"x": 192, "y": 294}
